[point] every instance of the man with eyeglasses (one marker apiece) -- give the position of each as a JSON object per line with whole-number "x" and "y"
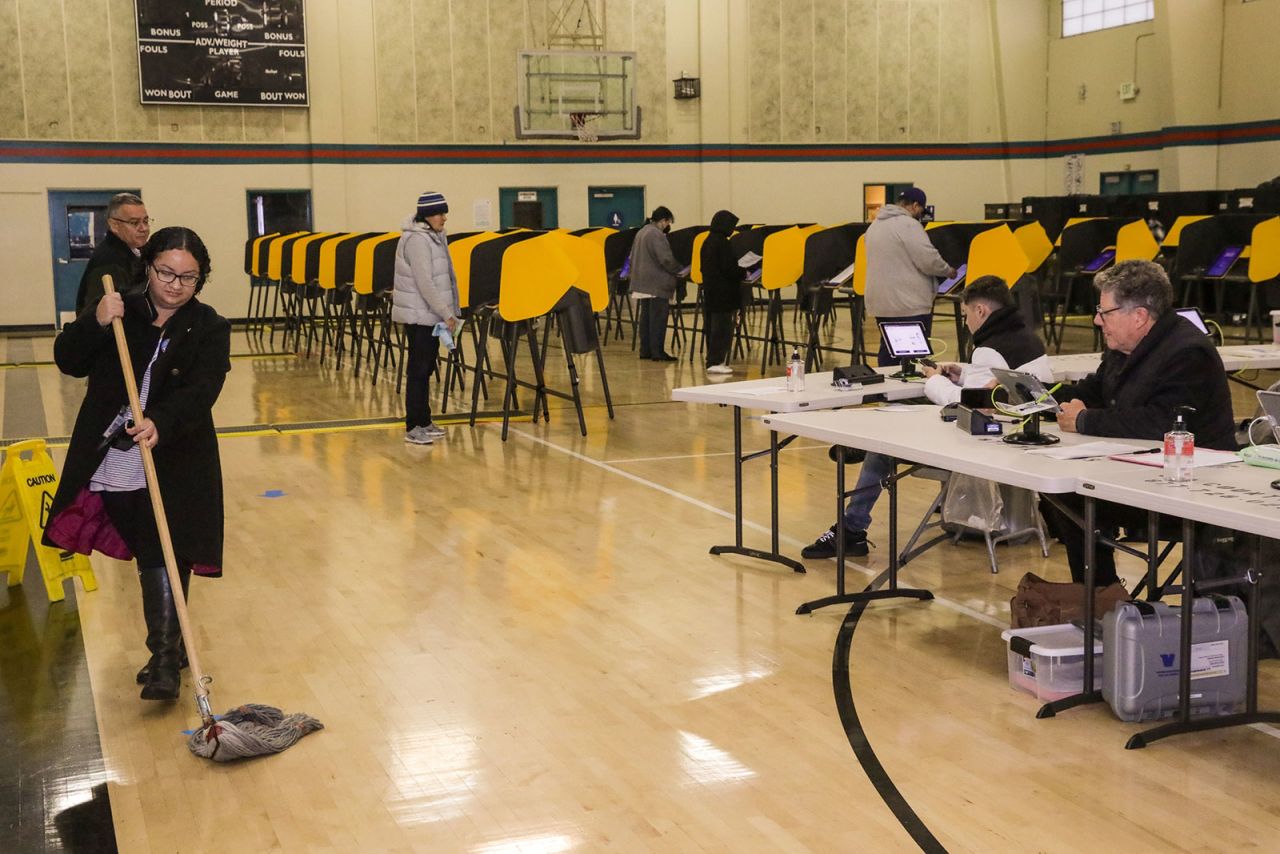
{"x": 128, "y": 228}
{"x": 1154, "y": 363}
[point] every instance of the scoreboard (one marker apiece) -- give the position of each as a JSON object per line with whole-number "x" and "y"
{"x": 222, "y": 52}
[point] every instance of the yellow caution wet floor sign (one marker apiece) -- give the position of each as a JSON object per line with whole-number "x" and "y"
{"x": 27, "y": 484}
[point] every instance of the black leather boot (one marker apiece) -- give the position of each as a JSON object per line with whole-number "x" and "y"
{"x": 164, "y": 635}
{"x": 182, "y": 647}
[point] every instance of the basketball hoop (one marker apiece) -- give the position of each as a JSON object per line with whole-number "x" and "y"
{"x": 583, "y": 124}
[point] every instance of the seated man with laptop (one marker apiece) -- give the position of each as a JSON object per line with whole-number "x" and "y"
{"x": 1002, "y": 340}
{"x": 1154, "y": 363}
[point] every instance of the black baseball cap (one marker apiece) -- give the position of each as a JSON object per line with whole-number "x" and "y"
{"x": 913, "y": 194}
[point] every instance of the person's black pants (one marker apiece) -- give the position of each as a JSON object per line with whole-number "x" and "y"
{"x": 718, "y": 326}
{"x": 424, "y": 349}
{"x": 132, "y": 516}
{"x": 1110, "y": 518}
{"x": 883, "y": 358}
{"x": 653, "y": 327}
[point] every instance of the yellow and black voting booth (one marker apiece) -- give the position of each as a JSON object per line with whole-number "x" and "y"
{"x": 828, "y": 264}
{"x": 986, "y": 248}
{"x": 28, "y": 481}
{"x": 506, "y": 282}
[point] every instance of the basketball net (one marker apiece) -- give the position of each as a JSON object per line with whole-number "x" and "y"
{"x": 583, "y": 126}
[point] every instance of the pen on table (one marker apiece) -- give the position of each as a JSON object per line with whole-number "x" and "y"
{"x": 1145, "y": 451}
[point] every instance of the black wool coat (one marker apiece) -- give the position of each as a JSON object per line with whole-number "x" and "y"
{"x": 185, "y": 382}
{"x": 1137, "y": 396}
{"x": 721, "y": 275}
{"x": 112, "y": 256}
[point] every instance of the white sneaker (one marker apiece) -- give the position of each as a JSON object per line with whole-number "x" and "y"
{"x": 418, "y": 436}
{"x": 434, "y": 431}
{"x": 719, "y": 369}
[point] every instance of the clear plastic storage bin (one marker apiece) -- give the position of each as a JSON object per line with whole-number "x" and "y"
{"x": 1048, "y": 661}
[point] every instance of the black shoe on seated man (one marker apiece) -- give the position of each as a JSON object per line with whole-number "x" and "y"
{"x": 665, "y": 357}
{"x": 855, "y": 545}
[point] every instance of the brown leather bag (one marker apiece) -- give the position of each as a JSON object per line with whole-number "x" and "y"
{"x": 1050, "y": 603}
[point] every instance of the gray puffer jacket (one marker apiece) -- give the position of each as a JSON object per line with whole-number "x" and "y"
{"x": 426, "y": 289}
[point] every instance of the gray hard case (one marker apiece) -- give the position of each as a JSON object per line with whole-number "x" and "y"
{"x": 1140, "y": 642}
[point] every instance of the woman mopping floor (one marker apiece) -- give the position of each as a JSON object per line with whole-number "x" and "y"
{"x": 128, "y": 440}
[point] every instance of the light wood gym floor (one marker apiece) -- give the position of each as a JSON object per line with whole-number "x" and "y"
{"x": 525, "y": 647}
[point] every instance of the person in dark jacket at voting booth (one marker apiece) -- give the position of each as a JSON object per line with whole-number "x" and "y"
{"x": 721, "y": 290}
{"x": 1155, "y": 362}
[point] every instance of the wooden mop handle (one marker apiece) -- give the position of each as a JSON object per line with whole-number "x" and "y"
{"x": 162, "y": 522}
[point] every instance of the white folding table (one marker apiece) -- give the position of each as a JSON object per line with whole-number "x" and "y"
{"x": 1237, "y": 357}
{"x": 771, "y": 395}
{"x": 918, "y": 436}
{"x": 1236, "y": 496}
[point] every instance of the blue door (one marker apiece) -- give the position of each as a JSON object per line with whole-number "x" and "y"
{"x": 615, "y": 207}
{"x": 77, "y": 224}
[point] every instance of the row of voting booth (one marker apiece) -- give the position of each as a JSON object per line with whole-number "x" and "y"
{"x": 330, "y": 291}
{"x": 1224, "y": 264}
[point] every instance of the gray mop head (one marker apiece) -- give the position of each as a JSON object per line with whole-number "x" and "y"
{"x": 250, "y": 730}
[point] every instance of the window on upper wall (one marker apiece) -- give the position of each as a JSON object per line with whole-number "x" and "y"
{"x": 1086, "y": 16}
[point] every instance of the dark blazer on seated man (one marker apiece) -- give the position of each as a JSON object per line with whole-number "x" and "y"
{"x": 1155, "y": 362}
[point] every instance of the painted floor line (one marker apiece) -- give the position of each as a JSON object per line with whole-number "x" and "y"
{"x": 1267, "y": 729}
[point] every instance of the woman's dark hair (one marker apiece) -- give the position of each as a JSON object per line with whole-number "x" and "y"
{"x": 178, "y": 237}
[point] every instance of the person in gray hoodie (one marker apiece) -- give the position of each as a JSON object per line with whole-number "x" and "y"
{"x": 902, "y": 265}
{"x": 424, "y": 299}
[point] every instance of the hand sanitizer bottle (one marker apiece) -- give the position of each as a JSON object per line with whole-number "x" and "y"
{"x": 795, "y": 371}
{"x": 1179, "y": 449}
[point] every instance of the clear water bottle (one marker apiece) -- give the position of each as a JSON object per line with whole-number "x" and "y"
{"x": 795, "y": 371}
{"x": 1179, "y": 450}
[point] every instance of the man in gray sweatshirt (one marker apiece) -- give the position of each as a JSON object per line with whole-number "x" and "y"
{"x": 902, "y": 265}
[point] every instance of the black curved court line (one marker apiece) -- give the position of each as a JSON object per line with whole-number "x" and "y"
{"x": 853, "y": 730}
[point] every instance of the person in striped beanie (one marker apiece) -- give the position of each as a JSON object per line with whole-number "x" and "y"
{"x": 424, "y": 296}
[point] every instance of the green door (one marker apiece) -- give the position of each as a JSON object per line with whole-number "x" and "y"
{"x": 528, "y": 207}
{"x": 615, "y": 207}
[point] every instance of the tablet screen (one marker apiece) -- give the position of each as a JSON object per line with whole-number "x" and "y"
{"x": 905, "y": 339}
{"x": 1197, "y": 320}
{"x": 1104, "y": 258}
{"x": 1223, "y": 262}
{"x": 946, "y": 286}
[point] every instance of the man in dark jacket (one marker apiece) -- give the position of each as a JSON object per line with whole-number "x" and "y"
{"x": 128, "y": 228}
{"x": 1155, "y": 363}
{"x": 721, "y": 290}
{"x": 653, "y": 281}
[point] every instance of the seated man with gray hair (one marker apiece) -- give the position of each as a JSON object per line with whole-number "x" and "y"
{"x": 1154, "y": 363}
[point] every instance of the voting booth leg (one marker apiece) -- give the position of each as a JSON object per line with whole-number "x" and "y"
{"x": 604, "y": 380}
{"x": 893, "y": 591}
{"x": 511, "y": 345}
{"x": 538, "y": 358}
{"x": 481, "y": 333}
{"x": 775, "y": 343}
{"x": 738, "y": 459}
{"x": 573, "y": 377}
{"x": 1087, "y": 693}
